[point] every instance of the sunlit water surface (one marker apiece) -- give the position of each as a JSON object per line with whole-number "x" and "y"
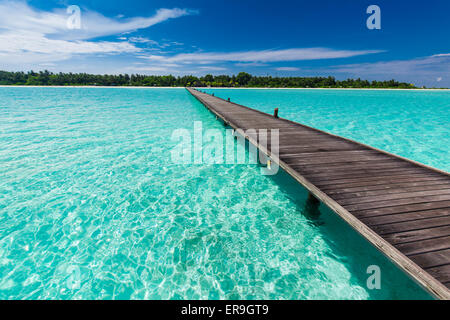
{"x": 92, "y": 207}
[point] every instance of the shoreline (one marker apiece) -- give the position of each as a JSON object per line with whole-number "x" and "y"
{"x": 223, "y": 88}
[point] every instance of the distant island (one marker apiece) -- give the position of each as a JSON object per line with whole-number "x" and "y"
{"x": 242, "y": 80}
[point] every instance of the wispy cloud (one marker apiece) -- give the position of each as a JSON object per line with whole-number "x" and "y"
{"x": 97, "y": 25}
{"x": 296, "y": 54}
{"x": 251, "y": 64}
{"x": 287, "y": 69}
{"x": 140, "y": 39}
{"x": 434, "y": 63}
{"x": 153, "y": 69}
{"x": 211, "y": 68}
{"x": 33, "y": 42}
{"x": 441, "y": 55}
{"x": 30, "y": 35}
{"x": 18, "y": 15}
{"x": 434, "y": 68}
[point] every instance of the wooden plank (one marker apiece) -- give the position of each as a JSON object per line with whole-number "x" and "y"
{"x": 358, "y": 175}
{"x": 375, "y": 164}
{"x": 414, "y": 180}
{"x": 393, "y": 190}
{"x": 404, "y": 217}
{"x": 286, "y": 150}
{"x": 424, "y": 246}
{"x": 441, "y": 273}
{"x": 357, "y": 167}
{"x": 394, "y": 196}
{"x": 402, "y": 209}
{"x": 315, "y": 148}
{"x": 418, "y": 235}
{"x": 397, "y": 202}
{"x": 374, "y": 177}
{"x": 376, "y": 184}
{"x": 393, "y": 186}
{"x": 413, "y": 225}
{"x": 297, "y": 159}
{"x": 296, "y": 147}
{"x": 432, "y": 259}
{"x": 348, "y": 154}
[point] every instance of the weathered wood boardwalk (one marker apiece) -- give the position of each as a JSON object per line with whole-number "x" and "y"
{"x": 400, "y": 206}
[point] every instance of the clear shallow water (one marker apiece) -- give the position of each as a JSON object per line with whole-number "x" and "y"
{"x": 412, "y": 124}
{"x": 91, "y": 207}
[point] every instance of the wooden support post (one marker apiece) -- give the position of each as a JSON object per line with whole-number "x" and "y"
{"x": 275, "y": 113}
{"x": 312, "y": 199}
{"x": 312, "y": 205}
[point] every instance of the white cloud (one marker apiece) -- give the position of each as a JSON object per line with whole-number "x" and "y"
{"x": 141, "y": 40}
{"x": 33, "y": 42}
{"x": 441, "y": 55}
{"x": 287, "y": 69}
{"x": 18, "y": 15}
{"x": 49, "y": 64}
{"x": 263, "y": 55}
{"x": 28, "y": 35}
{"x": 251, "y": 64}
{"x": 150, "y": 69}
{"x": 424, "y": 65}
{"x": 94, "y": 24}
{"x": 420, "y": 71}
{"x": 211, "y": 68}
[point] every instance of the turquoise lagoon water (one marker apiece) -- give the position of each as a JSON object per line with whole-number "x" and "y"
{"x": 91, "y": 207}
{"x": 411, "y": 123}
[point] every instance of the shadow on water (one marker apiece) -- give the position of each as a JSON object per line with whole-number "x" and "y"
{"x": 312, "y": 209}
{"x": 348, "y": 246}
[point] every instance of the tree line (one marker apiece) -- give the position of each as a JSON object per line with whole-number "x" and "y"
{"x": 243, "y": 79}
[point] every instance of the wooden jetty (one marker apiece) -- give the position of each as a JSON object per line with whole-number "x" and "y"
{"x": 402, "y": 207}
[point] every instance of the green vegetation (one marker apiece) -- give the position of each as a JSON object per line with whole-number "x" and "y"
{"x": 46, "y": 78}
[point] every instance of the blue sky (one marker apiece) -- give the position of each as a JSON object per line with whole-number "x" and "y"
{"x": 284, "y": 38}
